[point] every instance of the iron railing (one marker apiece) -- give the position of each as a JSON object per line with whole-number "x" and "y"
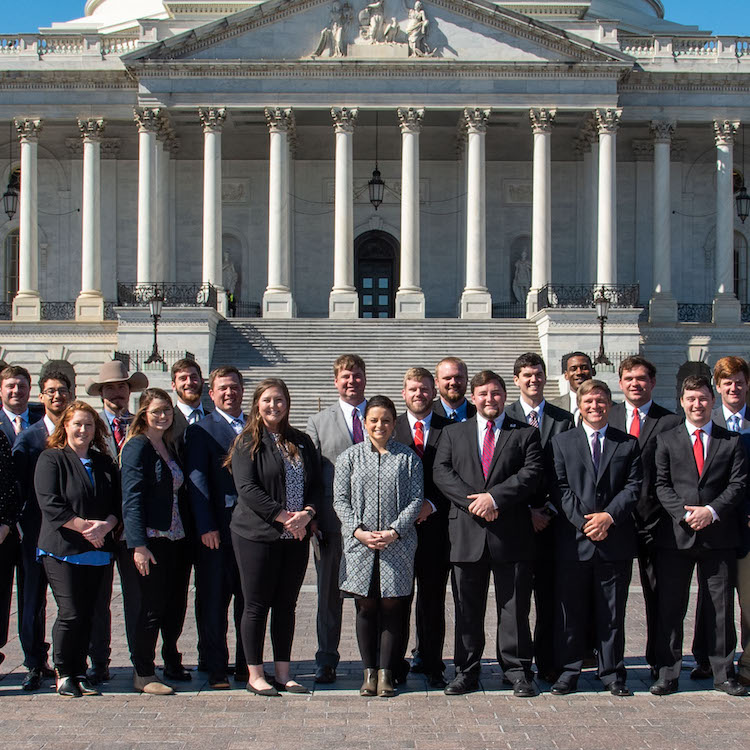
{"x": 694, "y": 312}
{"x": 508, "y": 309}
{"x": 6, "y": 310}
{"x": 582, "y": 295}
{"x": 136, "y": 360}
{"x": 109, "y": 311}
{"x": 132, "y": 294}
{"x": 58, "y": 310}
{"x": 244, "y": 309}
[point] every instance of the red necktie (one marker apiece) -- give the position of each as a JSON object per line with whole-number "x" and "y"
{"x": 419, "y": 439}
{"x": 118, "y": 432}
{"x": 488, "y": 448}
{"x": 698, "y": 451}
{"x": 635, "y": 425}
{"x": 357, "y": 434}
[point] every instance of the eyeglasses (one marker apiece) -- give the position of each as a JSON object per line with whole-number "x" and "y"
{"x": 52, "y": 391}
{"x": 158, "y": 413}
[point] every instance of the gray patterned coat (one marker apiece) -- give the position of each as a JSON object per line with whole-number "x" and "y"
{"x": 378, "y": 492}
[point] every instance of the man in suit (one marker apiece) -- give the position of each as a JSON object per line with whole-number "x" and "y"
{"x": 55, "y": 395}
{"x": 421, "y": 429}
{"x": 114, "y": 385}
{"x": 640, "y": 417}
{"x": 17, "y": 414}
{"x": 701, "y": 480}
{"x": 333, "y": 430}
{"x": 452, "y": 377}
{"x": 490, "y": 467}
{"x": 577, "y": 369}
{"x": 212, "y": 499}
{"x": 187, "y": 383}
{"x": 598, "y": 482}
{"x": 530, "y": 376}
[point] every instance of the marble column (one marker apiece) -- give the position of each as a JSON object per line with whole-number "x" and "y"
{"x": 592, "y": 197}
{"x": 160, "y": 259}
{"x": 607, "y": 121}
{"x": 27, "y": 303}
{"x": 662, "y": 306}
{"x": 541, "y": 211}
{"x": 277, "y": 299}
{"x": 90, "y": 302}
{"x": 410, "y": 302}
{"x": 726, "y": 305}
{"x": 343, "y": 301}
{"x": 476, "y": 301}
{"x": 148, "y": 121}
{"x": 212, "y": 121}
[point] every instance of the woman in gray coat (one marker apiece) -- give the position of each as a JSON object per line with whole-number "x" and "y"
{"x": 377, "y": 494}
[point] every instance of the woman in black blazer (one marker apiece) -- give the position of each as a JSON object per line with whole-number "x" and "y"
{"x": 277, "y": 474}
{"x": 154, "y": 530}
{"x": 78, "y": 488}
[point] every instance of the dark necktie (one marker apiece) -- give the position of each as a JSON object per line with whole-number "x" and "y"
{"x": 534, "y": 419}
{"x": 635, "y": 425}
{"x": 453, "y": 416}
{"x": 419, "y": 439}
{"x": 488, "y": 447}
{"x": 195, "y": 416}
{"x": 596, "y": 451}
{"x": 698, "y": 451}
{"x": 357, "y": 433}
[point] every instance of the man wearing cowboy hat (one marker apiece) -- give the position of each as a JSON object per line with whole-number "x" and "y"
{"x": 114, "y": 386}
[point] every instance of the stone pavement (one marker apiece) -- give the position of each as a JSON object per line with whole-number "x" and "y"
{"x": 335, "y": 717}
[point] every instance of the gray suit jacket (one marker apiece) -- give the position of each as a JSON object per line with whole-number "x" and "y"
{"x": 331, "y": 437}
{"x": 717, "y": 415}
{"x": 561, "y": 402}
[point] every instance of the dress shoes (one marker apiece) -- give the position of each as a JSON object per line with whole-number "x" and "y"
{"x": 98, "y": 673}
{"x": 386, "y": 688}
{"x": 150, "y": 685}
{"x": 176, "y": 673}
{"x": 290, "y": 687}
{"x": 436, "y": 680}
{"x": 325, "y": 674}
{"x": 68, "y": 687}
{"x": 369, "y": 687}
{"x": 218, "y": 682}
{"x": 664, "y": 687}
{"x": 619, "y": 689}
{"x": 564, "y": 687}
{"x": 524, "y": 688}
{"x": 731, "y": 687}
{"x": 743, "y": 680}
{"x": 85, "y": 686}
{"x": 701, "y": 672}
{"x": 462, "y": 684}
{"x": 417, "y": 665}
{"x": 269, "y": 692}
{"x": 33, "y": 680}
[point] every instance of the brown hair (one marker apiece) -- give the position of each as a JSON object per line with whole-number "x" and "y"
{"x": 348, "y": 362}
{"x": 418, "y": 373}
{"x": 593, "y": 385}
{"x": 457, "y": 361}
{"x": 696, "y": 383}
{"x": 15, "y": 371}
{"x": 59, "y": 438}
{"x": 630, "y": 363}
{"x": 225, "y": 372}
{"x": 185, "y": 364}
{"x": 139, "y": 423}
{"x": 486, "y": 376}
{"x": 728, "y": 366}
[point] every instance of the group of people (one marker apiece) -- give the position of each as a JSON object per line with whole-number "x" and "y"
{"x": 553, "y": 498}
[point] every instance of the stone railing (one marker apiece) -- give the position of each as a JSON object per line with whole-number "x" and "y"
{"x": 44, "y": 45}
{"x": 699, "y": 47}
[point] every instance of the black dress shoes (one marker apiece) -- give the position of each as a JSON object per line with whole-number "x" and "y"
{"x": 701, "y": 672}
{"x": 417, "y": 665}
{"x": 85, "y": 686}
{"x": 177, "y": 673}
{"x": 68, "y": 687}
{"x": 731, "y": 687}
{"x": 564, "y": 687}
{"x": 219, "y": 682}
{"x": 462, "y": 684}
{"x": 271, "y": 692}
{"x": 619, "y": 689}
{"x": 664, "y": 687}
{"x": 98, "y": 673}
{"x": 325, "y": 674}
{"x": 436, "y": 680}
{"x": 33, "y": 680}
{"x": 290, "y": 687}
{"x": 524, "y": 688}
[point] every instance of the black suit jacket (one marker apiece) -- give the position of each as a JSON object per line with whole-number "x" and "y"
{"x": 64, "y": 491}
{"x": 181, "y": 424}
{"x": 26, "y": 451}
{"x": 439, "y": 409}
{"x": 614, "y": 489}
{"x": 513, "y": 478}
{"x": 744, "y": 509}
{"x": 648, "y": 509}
{"x": 36, "y": 412}
{"x": 722, "y": 485}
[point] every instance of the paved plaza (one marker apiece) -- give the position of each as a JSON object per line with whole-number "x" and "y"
{"x": 334, "y": 716}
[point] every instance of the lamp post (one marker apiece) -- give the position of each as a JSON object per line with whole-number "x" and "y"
{"x": 376, "y": 186}
{"x": 155, "y": 304}
{"x": 602, "y": 311}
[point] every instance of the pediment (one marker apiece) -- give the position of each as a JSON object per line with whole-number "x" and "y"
{"x": 471, "y": 31}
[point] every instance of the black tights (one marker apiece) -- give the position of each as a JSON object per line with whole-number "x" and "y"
{"x": 380, "y": 629}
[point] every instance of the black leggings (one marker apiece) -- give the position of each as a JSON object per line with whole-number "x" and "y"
{"x": 380, "y": 629}
{"x": 271, "y": 575}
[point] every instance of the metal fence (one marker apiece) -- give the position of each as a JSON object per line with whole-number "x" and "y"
{"x": 582, "y": 295}
{"x": 136, "y": 360}
{"x": 132, "y": 294}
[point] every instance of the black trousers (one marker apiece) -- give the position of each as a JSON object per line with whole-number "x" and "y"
{"x": 271, "y": 574}
{"x": 72, "y": 586}
{"x": 32, "y": 603}
{"x": 647, "y": 571}
{"x": 716, "y": 579}
{"x": 592, "y": 591}
{"x": 9, "y": 555}
{"x": 163, "y": 602}
{"x": 513, "y": 581}
{"x": 545, "y": 601}
{"x": 381, "y": 634}
{"x": 217, "y": 580}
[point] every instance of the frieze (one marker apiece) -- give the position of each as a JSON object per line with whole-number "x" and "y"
{"x": 235, "y": 191}
{"x": 109, "y": 147}
{"x": 518, "y": 192}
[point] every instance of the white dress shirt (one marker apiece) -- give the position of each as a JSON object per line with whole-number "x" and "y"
{"x": 692, "y": 429}
{"x": 49, "y": 424}
{"x": 642, "y": 413}
{"x": 231, "y": 419}
{"x": 528, "y": 408}
{"x": 728, "y": 414}
{"x": 187, "y": 410}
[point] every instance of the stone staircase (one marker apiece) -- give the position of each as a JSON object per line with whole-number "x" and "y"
{"x": 301, "y": 352}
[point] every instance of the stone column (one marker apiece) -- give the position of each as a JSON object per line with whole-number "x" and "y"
{"x": 410, "y": 301}
{"x": 593, "y": 200}
{"x": 606, "y": 262}
{"x": 90, "y": 302}
{"x": 277, "y": 299}
{"x": 162, "y": 243}
{"x": 726, "y": 305}
{"x": 476, "y": 301}
{"x": 343, "y": 301}
{"x": 212, "y": 121}
{"x": 662, "y": 306}
{"x": 26, "y": 303}
{"x": 541, "y": 212}
{"x": 149, "y": 122}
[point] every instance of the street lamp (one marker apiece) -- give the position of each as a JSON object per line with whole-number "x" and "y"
{"x": 602, "y": 311}
{"x": 155, "y": 304}
{"x": 376, "y": 186}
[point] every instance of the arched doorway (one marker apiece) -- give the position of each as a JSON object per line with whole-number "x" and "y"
{"x": 376, "y": 256}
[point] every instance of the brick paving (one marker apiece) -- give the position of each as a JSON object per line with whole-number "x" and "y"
{"x": 335, "y": 717}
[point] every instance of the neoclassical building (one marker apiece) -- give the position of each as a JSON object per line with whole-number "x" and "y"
{"x": 341, "y": 159}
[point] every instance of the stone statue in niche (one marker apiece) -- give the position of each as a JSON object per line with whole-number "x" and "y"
{"x": 372, "y": 24}
{"x": 416, "y": 30}
{"x": 229, "y": 275}
{"x": 331, "y": 36}
{"x": 522, "y": 278}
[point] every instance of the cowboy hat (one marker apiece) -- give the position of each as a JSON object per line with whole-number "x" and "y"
{"x": 116, "y": 372}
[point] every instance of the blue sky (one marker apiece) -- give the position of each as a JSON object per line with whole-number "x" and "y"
{"x": 727, "y": 17}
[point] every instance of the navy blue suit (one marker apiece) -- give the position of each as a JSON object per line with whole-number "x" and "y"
{"x": 212, "y": 497}
{"x": 36, "y": 412}
{"x": 32, "y": 580}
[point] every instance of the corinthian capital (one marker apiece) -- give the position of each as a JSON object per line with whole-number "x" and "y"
{"x": 542, "y": 120}
{"x": 662, "y": 130}
{"x": 608, "y": 120}
{"x": 476, "y": 120}
{"x": 91, "y": 129}
{"x": 28, "y": 129}
{"x": 724, "y": 131}
{"x": 344, "y": 119}
{"x": 279, "y": 120}
{"x": 148, "y": 119}
{"x": 410, "y": 119}
{"x": 212, "y": 119}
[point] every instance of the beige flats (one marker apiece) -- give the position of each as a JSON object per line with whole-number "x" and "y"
{"x": 151, "y": 685}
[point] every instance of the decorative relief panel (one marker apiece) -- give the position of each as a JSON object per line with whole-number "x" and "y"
{"x": 518, "y": 192}
{"x": 235, "y": 191}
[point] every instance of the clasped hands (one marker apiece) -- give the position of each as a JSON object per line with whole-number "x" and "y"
{"x": 96, "y": 531}
{"x": 698, "y": 517}
{"x": 483, "y": 506}
{"x": 597, "y": 526}
{"x": 376, "y": 540}
{"x": 295, "y": 523}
